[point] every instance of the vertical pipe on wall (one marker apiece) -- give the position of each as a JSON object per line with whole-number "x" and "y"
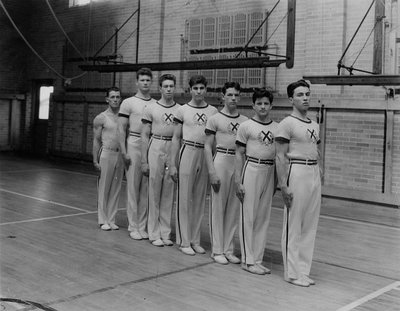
{"x": 343, "y": 37}
{"x": 378, "y": 37}
{"x": 388, "y": 154}
{"x": 290, "y": 33}
{"x": 137, "y": 33}
{"x": 161, "y": 40}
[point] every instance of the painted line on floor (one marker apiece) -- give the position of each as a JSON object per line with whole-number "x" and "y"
{"x": 45, "y": 218}
{"x": 44, "y": 200}
{"x": 369, "y": 297}
{"x": 51, "y": 217}
{"x": 128, "y": 283}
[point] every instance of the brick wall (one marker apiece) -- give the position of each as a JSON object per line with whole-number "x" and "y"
{"x": 354, "y": 150}
{"x": 4, "y": 123}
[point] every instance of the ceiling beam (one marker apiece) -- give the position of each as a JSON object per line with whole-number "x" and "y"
{"x": 253, "y": 62}
{"x": 385, "y": 80}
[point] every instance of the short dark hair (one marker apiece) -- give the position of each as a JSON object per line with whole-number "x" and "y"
{"x": 144, "y": 72}
{"x": 197, "y": 79}
{"x": 292, "y": 86}
{"x": 228, "y": 85}
{"x": 110, "y": 89}
{"x": 263, "y": 92}
{"x": 166, "y": 76}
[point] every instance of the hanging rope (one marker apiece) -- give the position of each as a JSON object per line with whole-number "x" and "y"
{"x": 259, "y": 27}
{"x": 365, "y": 43}
{"x": 166, "y": 16}
{"x": 63, "y": 31}
{"x": 354, "y": 35}
{"x": 34, "y": 51}
{"x": 283, "y": 18}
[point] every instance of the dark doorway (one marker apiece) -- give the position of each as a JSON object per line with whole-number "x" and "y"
{"x": 41, "y": 100}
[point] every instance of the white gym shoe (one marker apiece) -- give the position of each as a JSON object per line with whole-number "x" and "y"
{"x": 187, "y": 251}
{"x": 168, "y": 242}
{"x": 144, "y": 235}
{"x": 135, "y": 235}
{"x": 198, "y": 249}
{"x": 232, "y": 258}
{"x": 114, "y": 226}
{"x": 158, "y": 243}
{"x": 105, "y": 227}
{"x": 221, "y": 259}
{"x": 266, "y": 270}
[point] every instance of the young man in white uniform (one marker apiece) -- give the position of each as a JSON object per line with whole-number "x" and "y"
{"x": 221, "y": 129}
{"x": 130, "y": 117}
{"x": 299, "y": 179}
{"x": 255, "y": 176}
{"x": 108, "y": 161}
{"x": 190, "y": 123}
{"x": 158, "y": 120}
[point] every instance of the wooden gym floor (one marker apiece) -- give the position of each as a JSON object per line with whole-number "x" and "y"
{"x": 54, "y": 256}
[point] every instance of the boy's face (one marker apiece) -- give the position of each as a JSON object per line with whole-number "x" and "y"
{"x": 167, "y": 89}
{"x": 143, "y": 83}
{"x": 262, "y": 107}
{"x": 301, "y": 98}
{"x": 198, "y": 91}
{"x": 231, "y": 97}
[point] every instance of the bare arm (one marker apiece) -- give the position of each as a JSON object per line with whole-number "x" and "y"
{"x": 146, "y": 129}
{"x": 97, "y": 130}
{"x": 208, "y": 147}
{"x": 122, "y": 126}
{"x": 176, "y": 144}
{"x": 282, "y": 168}
{"x": 239, "y": 161}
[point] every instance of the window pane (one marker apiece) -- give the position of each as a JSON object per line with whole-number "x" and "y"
{"x": 209, "y": 32}
{"x": 44, "y": 99}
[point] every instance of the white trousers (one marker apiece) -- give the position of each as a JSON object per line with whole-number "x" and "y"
{"x": 192, "y": 190}
{"x": 161, "y": 191}
{"x": 258, "y": 182}
{"x": 109, "y": 185}
{"x": 300, "y": 221}
{"x": 137, "y": 188}
{"x": 224, "y": 209}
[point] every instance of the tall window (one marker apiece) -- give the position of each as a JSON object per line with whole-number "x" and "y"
{"x": 208, "y": 36}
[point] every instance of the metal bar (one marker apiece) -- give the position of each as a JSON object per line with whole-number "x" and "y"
{"x": 351, "y": 69}
{"x": 355, "y": 80}
{"x": 259, "y": 27}
{"x": 290, "y": 33}
{"x": 118, "y": 29}
{"x": 254, "y": 62}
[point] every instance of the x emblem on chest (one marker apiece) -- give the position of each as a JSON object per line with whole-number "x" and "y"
{"x": 201, "y": 117}
{"x": 312, "y": 134}
{"x": 267, "y": 135}
{"x": 234, "y": 127}
{"x": 169, "y": 117}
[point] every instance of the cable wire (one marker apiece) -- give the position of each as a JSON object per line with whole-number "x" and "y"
{"x": 34, "y": 51}
{"x": 63, "y": 31}
{"x": 365, "y": 43}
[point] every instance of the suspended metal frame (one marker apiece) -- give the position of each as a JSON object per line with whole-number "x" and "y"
{"x": 253, "y": 62}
